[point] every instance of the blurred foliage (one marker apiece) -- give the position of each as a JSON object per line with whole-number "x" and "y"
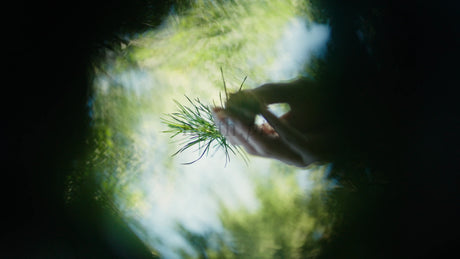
{"x": 136, "y": 81}
{"x": 218, "y": 34}
{"x": 223, "y": 34}
{"x": 288, "y": 224}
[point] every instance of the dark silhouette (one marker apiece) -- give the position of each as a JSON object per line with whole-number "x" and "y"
{"x": 391, "y": 95}
{"x": 376, "y": 110}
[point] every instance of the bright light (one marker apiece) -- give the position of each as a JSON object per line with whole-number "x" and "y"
{"x": 158, "y": 196}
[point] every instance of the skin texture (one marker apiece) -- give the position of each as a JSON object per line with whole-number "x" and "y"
{"x": 297, "y": 138}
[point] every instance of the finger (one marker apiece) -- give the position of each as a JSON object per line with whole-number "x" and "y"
{"x": 255, "y": 141}
{"x": 223, "y": 121}
{"x": 274, "y": 147}
{"x": 295, "y": 140}
{"x": 233, "y": 130}
{"x": 284, "y": 92}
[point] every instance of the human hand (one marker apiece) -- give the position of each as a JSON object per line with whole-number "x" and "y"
{"x": 275, "y": 139}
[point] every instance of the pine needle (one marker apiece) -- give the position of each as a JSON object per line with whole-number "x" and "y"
{"x": 197, "y": 124}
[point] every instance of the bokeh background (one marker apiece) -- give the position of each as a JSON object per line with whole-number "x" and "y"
{"x": 78, "y": 104}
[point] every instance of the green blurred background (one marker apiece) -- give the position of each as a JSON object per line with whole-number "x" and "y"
{"x": 54, "y": 210}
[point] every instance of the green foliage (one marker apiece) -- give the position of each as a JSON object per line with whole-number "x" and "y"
{"x": 197, "y": 123}
{"x": 231, "y": 34}
{"x": 280, "y": 228}
{"x": 130, "y": 157}
{"x": 286, "y": 224}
